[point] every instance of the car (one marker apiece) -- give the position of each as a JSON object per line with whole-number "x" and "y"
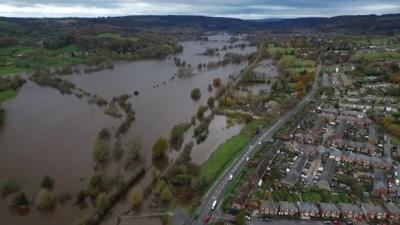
{"x": 327, "y": 222}
{"x": 214, "y": 205}
{"x": 247, "y": 159}
{"x": 230, "y": 177}
{"x": 248, "y": 217}
{"x": 266, "y": 219}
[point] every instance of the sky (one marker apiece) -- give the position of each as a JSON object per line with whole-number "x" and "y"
{"x": 244, "y": 9}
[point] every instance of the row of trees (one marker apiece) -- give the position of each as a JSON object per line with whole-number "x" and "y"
{"x": 20, "y": 200}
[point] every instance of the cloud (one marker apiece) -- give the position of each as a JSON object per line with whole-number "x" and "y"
{"x": 245, "y": 9}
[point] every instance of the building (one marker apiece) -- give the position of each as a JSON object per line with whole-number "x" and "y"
{"x": 329, "y": 210}
{"x": 295, "y": 172}
{"x": 350, "y": 211}
{"x": 269, "y": 207}
{"x": 372, "y": 212}
{"x": 307, "y": 209}
{"x": 327, "y": 174}
{"x": 372, "y": 135}
{"x": 381, "y": 185}
{"x": 394, "y": 212}
{"x": 287, "y": 209}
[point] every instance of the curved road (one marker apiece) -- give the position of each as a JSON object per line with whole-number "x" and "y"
{"x": 216, "y": 192}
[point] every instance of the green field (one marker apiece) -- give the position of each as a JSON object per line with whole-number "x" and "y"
{"x": 7, "y": 94}
{"x": 4, "y": 70}
{"x": 227, "y": 151}
{"x": 376, "y": 56}
{"x": 115, "y": 36}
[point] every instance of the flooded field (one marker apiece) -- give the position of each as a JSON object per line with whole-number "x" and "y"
{"x": 47, "y": 133}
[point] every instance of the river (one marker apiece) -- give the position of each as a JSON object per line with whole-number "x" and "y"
{"x": 47, "y": 133}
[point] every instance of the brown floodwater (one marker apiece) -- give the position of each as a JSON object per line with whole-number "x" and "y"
{"x": 47, "y": 133}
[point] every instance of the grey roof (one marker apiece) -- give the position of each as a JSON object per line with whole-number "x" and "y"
{"x": 329, "y": 171}
{"x": 307, "y": 206}
{"x": 346, "y": 207}
{"x": 372, "y": 133}
{"x": 295, "y": 172}
{"x": 380, "y": 179}
{"x": 328, "y": 207}
{"x": 372, "y": 208}
{"x": 392, "y": 208}
{"x": 269, "y": 204}
{"x": 287, "y": 206}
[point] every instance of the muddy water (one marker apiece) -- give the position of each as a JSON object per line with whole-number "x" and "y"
{"x": 53, "y": 134}
{"x": 47, "y": 133}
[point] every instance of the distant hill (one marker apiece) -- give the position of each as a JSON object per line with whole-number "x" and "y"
{"x": 362, "y": 24}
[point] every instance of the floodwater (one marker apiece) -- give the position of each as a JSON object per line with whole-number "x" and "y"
{"x": 47, "y": 133}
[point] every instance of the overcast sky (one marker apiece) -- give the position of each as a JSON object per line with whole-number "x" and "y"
{"x": 245, "y": 9}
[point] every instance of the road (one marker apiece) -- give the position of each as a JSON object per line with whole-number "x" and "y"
{"x": 216, "y": 192}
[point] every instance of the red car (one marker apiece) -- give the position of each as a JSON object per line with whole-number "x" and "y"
{"x": 207, "y": 218}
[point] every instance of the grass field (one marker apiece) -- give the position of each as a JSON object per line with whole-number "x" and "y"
{"x": 4, "y": 70}
{"x": 115, "y": 36}
{"x": 377, "y": 56}
{"x": 227, "y": 151}
{"x": 7, "y": 94}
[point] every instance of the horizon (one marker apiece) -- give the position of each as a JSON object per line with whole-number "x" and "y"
{"x": 240, "y": 9}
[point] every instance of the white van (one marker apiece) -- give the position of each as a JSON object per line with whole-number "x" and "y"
{"x": 214, "y": 204}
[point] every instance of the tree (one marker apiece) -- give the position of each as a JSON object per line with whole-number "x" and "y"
{"x": 45, "y": 199}
{"x": 9, "y": 185}
{"x": 160, "y": 187}
{"x": 19, "y": 200}
{"x": 159, "y": 147}
{"x": 133, "y": 148}
{"x": 101, "y": 150}
{"x": 200, "y": 112}
{"x": 136, "y": 198}
{"x": 97, "y": 185}
{"x": 47, "y": 182}
{"x": 177, "y": 135}
{"x": 195, "y": 94}
{"x": 240, "y": 218}
{"x": 166, "y": 194}
{"x": 210, "y": 102}
{"x": 101, "y": 200}
{"x": 217, "y": 82}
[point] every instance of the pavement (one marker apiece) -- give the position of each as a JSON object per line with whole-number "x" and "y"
{"x": 216, "y": 192}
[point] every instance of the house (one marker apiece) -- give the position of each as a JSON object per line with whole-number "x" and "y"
{"x": 350, "y": 211}
{"x": 372, "y": 212}
{"x": 309, "y": 150}
{"x": 304, "y": 138}
{"x": 307, "y": 209}
{"x": 339, "y": 131}
{"x": 393, "y": 212}
{"x": 381, "y": 185}
{"x": 288, "y": 208}
{"x": 329, "y": 210}
{"x": 327, "y": 175}
{"x": 269, "y": 207}
{"x": 295, "y": 172}
{"x": 372, "y": 135}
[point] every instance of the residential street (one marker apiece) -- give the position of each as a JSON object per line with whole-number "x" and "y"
{"x": 216, "y": 192}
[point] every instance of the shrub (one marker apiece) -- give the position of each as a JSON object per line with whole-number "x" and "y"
{"x": 159, "y": 147}
{"x": 195, "y": 94}
{"x": 9, "y": 185}
{"x": 136, "y": 198}
{"x": 177, "y": 135}
{"x": 18, "y": 200}
{"x": 97, "y": 185}
{"x": 45, "y": 199}
{"x": 47, "y": 182}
